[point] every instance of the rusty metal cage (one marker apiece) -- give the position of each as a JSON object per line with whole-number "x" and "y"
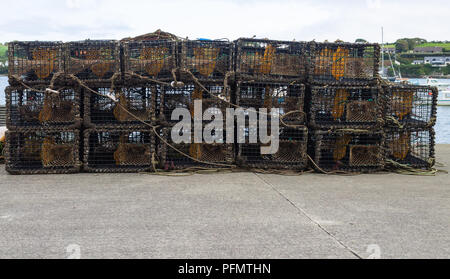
{"x": 119, "y": 150}
{"x": 34, "y": 62}
{"x": 42, "y": 151}
{"x": 263, "y": 59}
{"x": 411, "y": 147}
{"x": 344, "y": 63}
{"x": 155, "y": 59}
{"x": 207, "y": 59}
{"x": 289, "y": 98}
{"x": 93, "y": 60}
{"x": 346, "y": 107}
{"x": 411, "y": 106}
{"x": 137, "y": 99}
{"x": 215, "y": 153}
{"x": 33, "y": 109}
{"x": 336, "y": 151}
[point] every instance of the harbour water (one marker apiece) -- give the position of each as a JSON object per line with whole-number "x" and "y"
{"x": 442, "y": 125}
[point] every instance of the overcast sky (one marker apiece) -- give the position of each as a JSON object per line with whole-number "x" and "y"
{"x": 347, "y": 20}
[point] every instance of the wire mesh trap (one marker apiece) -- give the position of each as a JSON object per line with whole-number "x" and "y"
{"x": 350, "y": 152}
{"x": 346, "y": 107}
{"x": 93, "y": 60}
{"x": 119, "y": 150}
{"x": 34, "y": 62}
{"x": 289, "y": 98}
{"x": 154, "y": 59}
{"x": 271, "y": 60}
{"x": 207, "y": 59}
{"x": 34, "y": 109}
{"x": 214, "y": 154}
{"x": 291, "y": 152}
{"x": 137, "y": 99}
{"x": 185, "y": 97}
{"x": 344, "y": 63}
{"x": 41, "y": 151}
{"x": 411, "y": 105}
{"x": 411, "y": 147}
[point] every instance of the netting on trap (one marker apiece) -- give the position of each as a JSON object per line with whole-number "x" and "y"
{"x": 93, "y": 60}
{"x": 289, "y": 98}
{"x": 134, "y": 101}
{"x": 184, "y": 97}
{"x": 41, "y": 151}
{"x": 271, "y": 60}
{"x": 290, "y": 154}
{"x": 34, "y": 62}
{"x": 344, "y": 63}
{"x": 411, "y": 147}
{"x": 34, "y": 109}
{"x": 350, "y": 152}
{"x": 154, "y": 59}
{"x": 207, "y": 59}
{"x": 411, "y": 106}
{"x": 346, "y": 107}
{"x": 209, "y": 153}
{"x": 119, "y": 150}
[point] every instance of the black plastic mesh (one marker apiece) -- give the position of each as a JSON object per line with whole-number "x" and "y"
{"x": 344, "y": 63}
{"x": 118, "y": 150}
{"x": 35, "y": 62}
{"x": 346, "y": 107}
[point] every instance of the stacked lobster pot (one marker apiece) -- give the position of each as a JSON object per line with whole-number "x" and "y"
{"x": 43, "y": 111}
{"x": 271, "y": 75}
{"x": 192, "y": 111}
{"x": 410, "y": 119}
{"x": 345, "y": 108}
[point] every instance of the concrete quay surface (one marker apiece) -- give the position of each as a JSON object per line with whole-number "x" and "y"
{"x": 237, "y": 215}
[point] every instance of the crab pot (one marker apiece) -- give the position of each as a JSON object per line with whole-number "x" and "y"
{"x": 119, "y": 150}
{"x": 172, "y": 98}
{"x": 211, "y": 153}
{"x": 207, "y": 59}
{"x": 34, "y": 62}
{"x": 134, "y": 101}
{"x": 93, "y": 60}
{"x": 42, "y": 151}
{"x": 271, "y": 60}
{"x": 35, "y": 109}
{"x": 289, "y": 98}
{"x": 411, "y": 147}
{"x": 411, "y": 106}
{"x": 344, "y": 63}
{"x": 291, "y": 153}
{"x": 346, "y": 107}
{"x": 348, "y": 151}
{"x": 154, "y": 59}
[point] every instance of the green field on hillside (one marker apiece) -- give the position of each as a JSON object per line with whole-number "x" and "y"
{"x": 3, "y": 50}
{"x": 446, "y": 46}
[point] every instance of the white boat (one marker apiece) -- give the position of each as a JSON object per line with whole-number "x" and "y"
{"x": 444, "y": 91}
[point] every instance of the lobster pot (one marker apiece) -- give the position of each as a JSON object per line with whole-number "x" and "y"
{"x": 411, "y": 106}
{"x": 154, "y": 59}
{"x": 213, "y": 103}
{"x": 291, "y": 153}
{"x": 134, "y": 101}
{"x": 346, "y": 107}
{"x": 289, "y": 98}
{"x": 42, "y": 151}
{"x": 119, "y": 150}
{"x": 36, "y": 109}
{"x": 348, "y": 151}
{"x": 344, "y": 63}
{"x": 34, "y": 62}
{"x": 206, "y": 59}
{"x": 411, "y": 147}
{"x": 93, "y": 60}
{"x": 211, "y": 152}
{"x": 271, "y": 60}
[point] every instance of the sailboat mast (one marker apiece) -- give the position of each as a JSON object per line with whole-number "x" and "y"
{"x": 382, "y": 50}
